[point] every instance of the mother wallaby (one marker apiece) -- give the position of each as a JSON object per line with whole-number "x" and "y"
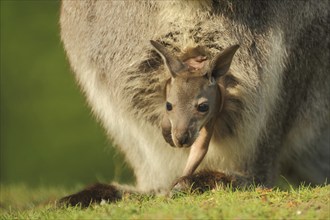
{"x": 275, "y": 116}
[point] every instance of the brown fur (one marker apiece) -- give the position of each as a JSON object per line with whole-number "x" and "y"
{"x": 92, "y": 194}
{"x": 203, "y": 181}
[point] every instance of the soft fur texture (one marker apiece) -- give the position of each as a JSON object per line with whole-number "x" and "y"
{"x": 276, "y": 115}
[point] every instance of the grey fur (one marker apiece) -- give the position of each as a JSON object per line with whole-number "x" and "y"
{"x": 276, "y": 117}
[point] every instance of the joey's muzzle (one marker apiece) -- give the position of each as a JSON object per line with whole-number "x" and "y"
{"x": 183, "y": 139}
{"x": 184, "y": 134}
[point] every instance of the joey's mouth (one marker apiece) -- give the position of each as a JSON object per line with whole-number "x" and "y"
{"x": 183, "y": 145}
{"x": 183, "y": 142}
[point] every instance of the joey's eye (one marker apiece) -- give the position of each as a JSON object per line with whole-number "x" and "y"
{"x": 168, "y": 106}
{"x": 204, "y": 107}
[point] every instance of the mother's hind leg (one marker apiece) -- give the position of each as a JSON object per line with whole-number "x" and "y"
{"x": 207, "y": 180}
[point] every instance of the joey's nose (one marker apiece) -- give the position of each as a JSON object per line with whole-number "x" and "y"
{"x": 183, "y": 139}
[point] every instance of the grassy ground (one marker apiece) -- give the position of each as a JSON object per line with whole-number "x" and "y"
{"x": 19, "y": 202}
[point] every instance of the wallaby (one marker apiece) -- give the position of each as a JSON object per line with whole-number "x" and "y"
{"x": 275, "y": 98}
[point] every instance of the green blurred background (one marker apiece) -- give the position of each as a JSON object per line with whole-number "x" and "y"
{"x": 48, "y": 135}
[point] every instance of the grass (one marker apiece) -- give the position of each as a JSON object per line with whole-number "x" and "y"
{"x": 20, "y": 202}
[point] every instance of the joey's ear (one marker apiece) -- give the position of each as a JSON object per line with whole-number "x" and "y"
{"x": 221, "y": 63}
{"x": 172, "y": 62}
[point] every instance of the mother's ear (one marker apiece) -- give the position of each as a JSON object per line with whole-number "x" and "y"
{"x": 167, "y": 130}
{"x": 221, "y": 63}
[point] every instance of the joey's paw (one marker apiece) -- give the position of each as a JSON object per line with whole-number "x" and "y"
{"x": 92, "y": 194}
{"x": 200, "y": 182}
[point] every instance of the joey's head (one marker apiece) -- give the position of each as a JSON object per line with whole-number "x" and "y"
{"x": 193, "y": 95}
